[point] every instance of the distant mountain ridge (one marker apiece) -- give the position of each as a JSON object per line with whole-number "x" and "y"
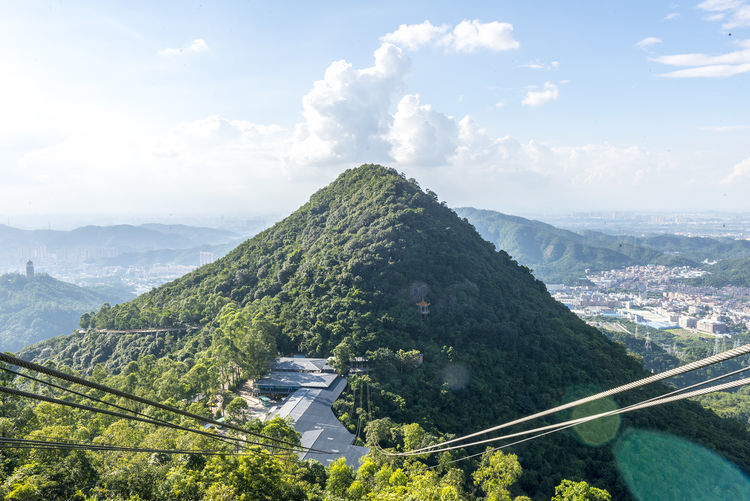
{"x": 558, "y": 255}
{"x": 124, "y": 237}
{"x": 37, "y": 308}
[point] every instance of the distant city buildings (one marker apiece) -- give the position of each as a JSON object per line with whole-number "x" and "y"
{"x": 206, "y": 258}
{"x": 656, "y": 296}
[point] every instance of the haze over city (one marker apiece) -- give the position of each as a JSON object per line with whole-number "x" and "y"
{"x": 522, "y": 107}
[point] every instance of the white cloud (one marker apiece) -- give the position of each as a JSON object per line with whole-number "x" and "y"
{"x": 538, "y": 65}
{"x": 671, "y": 15}
{"x": 347, "y": 114}
{"x": 719, "y": 5}
{"x": 731, "y": 63}
{"x": 468, "y": 36}
{"x": 421, "y": 135}
{"x": 740, "y": 18}
{"x": 415, "y": 36}
{"x": 736, "y": 12}
{"x": 541, "y": 97}
{"x": 712, "y": 71}
{"x": 648, "y": 42}
{"x": 500, "y": 104}
{"x": 197, "y": 45}
{"x": 724, "y": 128}
{"x": 740, "y": 171}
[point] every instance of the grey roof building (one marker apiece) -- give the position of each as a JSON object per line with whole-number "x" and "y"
{"x": 310, "y": 411}
{"x": 312, "y": 387}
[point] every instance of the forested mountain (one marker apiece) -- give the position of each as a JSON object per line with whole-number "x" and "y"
{"x": 555, "y": 255}
{"x": 40, "y": 307}
{"x": 558, "y": 255}
{"x": 343, "y": 275}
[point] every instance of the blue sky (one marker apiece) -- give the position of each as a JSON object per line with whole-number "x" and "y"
{"x": 240, "y": 108}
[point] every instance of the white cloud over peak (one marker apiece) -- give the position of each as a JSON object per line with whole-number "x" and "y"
{"x": 648, "y": 42}
{"x": 421, "y": 135}
{"x": 537, "y": 98}
{"x": 347, "y": 114}
{"x": 197, "y": 45}
{"x": 467, "y": 36}
{"x": 415, "y": 36}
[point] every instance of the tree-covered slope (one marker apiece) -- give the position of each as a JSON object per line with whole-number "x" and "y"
{"x": 727, "y": 272}
{"x": 555, "y": 254}
{"x": 344, "y": 272}
{"x": 37, "y": 308}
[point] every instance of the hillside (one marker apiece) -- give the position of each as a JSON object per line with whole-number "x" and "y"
{"x": 33, "y": 309}
{"x": 344, "y": 273}
{"x": 555, "y": 255}
{"x": 558, "y": 255}
{"x": 727, "y": 272}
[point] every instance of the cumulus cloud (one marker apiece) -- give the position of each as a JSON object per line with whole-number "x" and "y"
{"x": 347, "y": 114}
{"x": 415, "y": 36}
{"x": 537, "y": 98}
{"x": 467, "y": 36}
{"x": 421, "y": 135}
{"x": 197, "y": 45}
{"x": 648, "y": 42}
{"x": 740, "y": 171}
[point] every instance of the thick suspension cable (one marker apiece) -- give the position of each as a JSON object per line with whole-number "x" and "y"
{"x": 10, "y": 359}
{"x": 561, "y": 427}
{"x": 44, "y": 398}
{"x": 699, "y": 364}
{"x": 104, "y": 402}
{"x": 574, "y": 422}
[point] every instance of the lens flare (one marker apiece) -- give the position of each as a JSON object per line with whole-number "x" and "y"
{"x": 658, "y": 466}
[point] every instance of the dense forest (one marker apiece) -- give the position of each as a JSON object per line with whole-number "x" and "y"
{"x": 560, "y": 256}
{"x": 40, "y": 307}
{"x": 343, "y": 274}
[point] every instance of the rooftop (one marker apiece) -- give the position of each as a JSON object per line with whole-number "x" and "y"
{"x": 310, "y": 412}
{"x": 301, "y": 364}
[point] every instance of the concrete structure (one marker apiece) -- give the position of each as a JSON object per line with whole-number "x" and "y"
{"x": 29, "y": 269}
{"x": 312, "y": 386}
{"x": 712, "y": 326}
{"x": 285, "y": 382}
{"x": 424, "y": 308}
{"x": 301, "y": 364}
{"x": 205, "y": 258}
{"x": 688, "y": 322}
{"x": 309, "y": 409}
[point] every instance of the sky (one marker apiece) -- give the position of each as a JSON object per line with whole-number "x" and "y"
{"x": 242, "y": 108}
